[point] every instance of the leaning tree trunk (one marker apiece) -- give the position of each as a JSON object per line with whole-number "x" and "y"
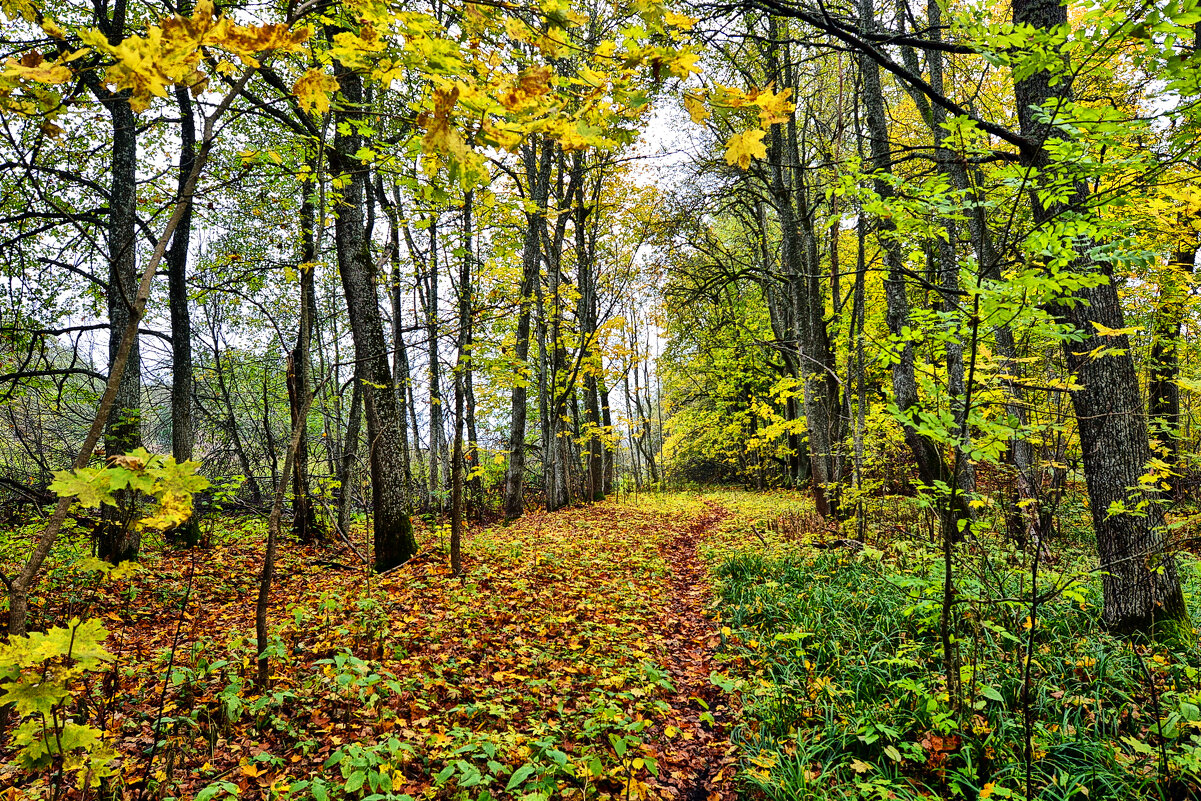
{"x": 394, "y": 541}
{"x": 183, "y": 429}
{"x": 1141, "y": 587}
{"x": 117, "y": 541}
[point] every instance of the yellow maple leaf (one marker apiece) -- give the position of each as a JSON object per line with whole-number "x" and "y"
{"x": 42, "y": 72}
{"x": 745, "y": 146}
{"x": 314, "y": 89}
{"x": 683, "y": 64}
{"x": 694, "y": 104}
{"x": 678, "y": 20}
{"x": 773, "y": 108}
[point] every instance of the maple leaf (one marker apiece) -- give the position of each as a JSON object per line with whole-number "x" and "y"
{"x": 694, "y": 104}
{"x": 745, "y": 146}
{"x": 684, "y": 64}
{"x": 40, "y": 71}
{"x": 773, "y": 108}
{"x": 529, "y": 85}
{"x": 313, "y": 91}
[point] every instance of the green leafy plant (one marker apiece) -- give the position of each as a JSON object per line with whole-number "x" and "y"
{"x": 39, "y": 678}
{"x": 169, "y": 483}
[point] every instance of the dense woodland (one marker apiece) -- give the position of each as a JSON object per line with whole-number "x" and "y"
{"x": 769, "y": 399}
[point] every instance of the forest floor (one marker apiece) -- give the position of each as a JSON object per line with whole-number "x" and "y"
{"x": 574, "y": 658}
{"x": 667, "y": 646}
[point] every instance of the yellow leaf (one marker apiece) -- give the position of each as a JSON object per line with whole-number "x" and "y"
{"x": 696, "y": 108}
{"x": 41, "y": 71}
{"x": 859, "y": 766}
{"x": 678, "y": 20}
{"x": 51, "y": 28}
{"x": 773, "y": 108}
{"x": 313, "y": 91}
{"x": 1106, "y": 331}
{"x": 683, "y": 65}
{"x": 745, "y": 146}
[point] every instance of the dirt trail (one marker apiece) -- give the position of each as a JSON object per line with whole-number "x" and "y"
{"x": 699, "y": 758}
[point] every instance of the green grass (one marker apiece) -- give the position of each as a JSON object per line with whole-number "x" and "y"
{"x": 843, "y": 679}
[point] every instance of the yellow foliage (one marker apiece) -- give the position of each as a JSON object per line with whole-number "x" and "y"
{"x": 745, "y": 146}
{"x": 313, "y": 90}
{"x": 33, "y": 68}
{"x": 170, "y": 53}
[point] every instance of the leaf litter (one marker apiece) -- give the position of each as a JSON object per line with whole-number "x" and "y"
{"x": 572, "y": 659}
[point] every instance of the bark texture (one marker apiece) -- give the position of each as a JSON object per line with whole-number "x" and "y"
{"x": 393, "y": 530}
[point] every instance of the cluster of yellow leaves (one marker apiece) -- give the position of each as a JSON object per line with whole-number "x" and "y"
{"x": 479, "y": 95}
{"x": 34, "y": 74}
{"x": 170, "y": 53}
{"x": 166, "y": 54}
{"x": 773, "y": 108}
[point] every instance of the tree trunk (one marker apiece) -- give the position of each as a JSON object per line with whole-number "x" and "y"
{"x": 802, "y": 269}
{"x": 118, "y": 542}
{"x": 591, "y": 358}
{"x": 183, "y": 431}
{"x": 400, "y": 354}
{"x": 437, "y": 464}
{"x": 300, "y": 367}
{"x": 609, "y": 478}
{"x": 557, "y": 439}
{"x": 1141, "y": 587}
{"x": 350, "y": 452}
{"x": 537, "y": 170}
{"x": 394, "y": 541}
{"x": 462, "y": 361}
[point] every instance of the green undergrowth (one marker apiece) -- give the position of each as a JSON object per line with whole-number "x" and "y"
{"x": 839, "y": 662}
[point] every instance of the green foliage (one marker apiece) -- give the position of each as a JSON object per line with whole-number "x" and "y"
{"x": 169, "y": 483}
{"x": 39, "y": 676}
{"x": 846, "y": 693}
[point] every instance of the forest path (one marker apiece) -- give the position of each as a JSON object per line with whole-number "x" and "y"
{"x": 700, "y": 754}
